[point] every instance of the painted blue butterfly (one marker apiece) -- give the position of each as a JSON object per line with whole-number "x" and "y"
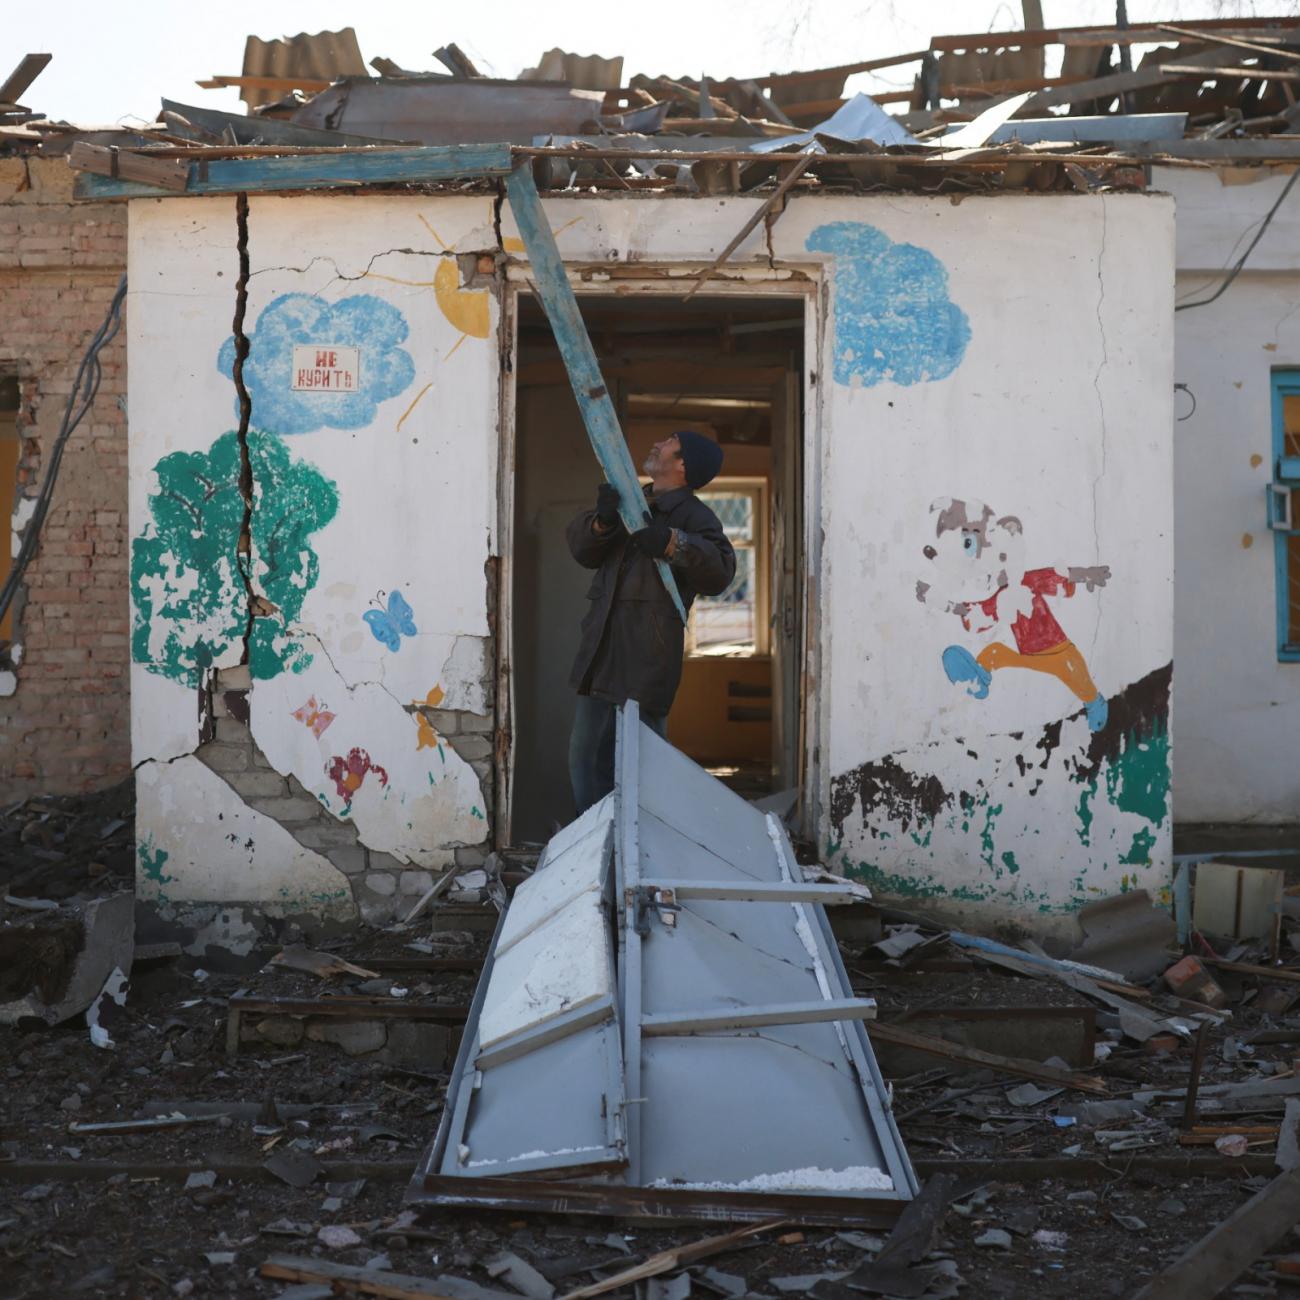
{"x": 391, "y": 625}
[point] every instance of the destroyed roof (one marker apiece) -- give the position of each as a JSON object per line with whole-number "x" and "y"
{"x": 983, "y": 113}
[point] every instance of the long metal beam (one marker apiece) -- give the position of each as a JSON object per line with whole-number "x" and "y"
{"x": 561, "y": 307}
{"x": 314, "y": 171}
{"x": 758, "y": 891}
{"x": 551, "y": 1031}
{"x": 671, "y": 1024}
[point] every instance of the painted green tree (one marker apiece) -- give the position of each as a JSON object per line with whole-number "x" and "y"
{"x": 191, "y": 601}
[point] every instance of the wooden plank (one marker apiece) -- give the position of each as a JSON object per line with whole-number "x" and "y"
{"x": 1215, "y": 39}
{"x": 160, "y": 173}
{"x": 888, "y": 1033}
{"x": 348, "y": 1278}
{"x": 769, "y": 204}
{"x": 1118, "y": 83}
{"x": 1033, "y": 38}
{"x": 1224, "y": 1253}
{"x": 782, "y": 80}
{"x": 29, "y": 68}
{"x": 308, "y": 171}
{"x": 1247, "y": 74}
{"x": 673, "y": 1024}
{"x": 357, "y": 1008}
{"x": 678, "y": 1257}
{"x": 283, "y": 84}
{"x": 1262, "y": 972}
{"x": 561, "y": 306}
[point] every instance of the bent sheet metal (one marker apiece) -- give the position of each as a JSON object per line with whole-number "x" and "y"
{"x": 664, "y": 1025}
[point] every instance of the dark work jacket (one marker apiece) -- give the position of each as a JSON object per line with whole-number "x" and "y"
{"x": 632, "y": 636}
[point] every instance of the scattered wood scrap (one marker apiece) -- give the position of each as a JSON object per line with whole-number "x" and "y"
{"x": 1260, "y": 972}
{"x": 324, "y": 964}
{"x": 1050, "y": 1074}
{"x": 1221, "y": 1256}
{"x": 667, "y": 1260}
{"x": 128, "y": 165}
{"x": 347, "y": 1278}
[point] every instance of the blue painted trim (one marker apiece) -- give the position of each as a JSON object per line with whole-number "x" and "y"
{"x": 315, "y": 171}
{"x": 1285, "y": 383}
{"x": 561, "y": 306}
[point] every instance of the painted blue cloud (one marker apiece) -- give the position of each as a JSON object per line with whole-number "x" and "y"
{"x": 893, "y": 317}
{"x": 362, "y": 321}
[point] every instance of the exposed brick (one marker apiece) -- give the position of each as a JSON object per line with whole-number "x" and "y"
{"x": 59, "y": 266}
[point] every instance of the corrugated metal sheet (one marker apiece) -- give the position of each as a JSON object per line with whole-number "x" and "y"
{"x": 450, "y": 110}
{"x": 582, "y": 71}
{"x": 322, "y": 56}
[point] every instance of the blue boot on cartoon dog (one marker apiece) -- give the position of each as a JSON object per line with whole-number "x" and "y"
{"x": 1097, "y": 711}
{"x": 961, "y": 666}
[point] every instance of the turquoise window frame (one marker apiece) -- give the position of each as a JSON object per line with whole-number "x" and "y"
{"x": 1281, "y": 491}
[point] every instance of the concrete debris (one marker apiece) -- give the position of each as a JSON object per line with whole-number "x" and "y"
{"x": 55, "y": 965}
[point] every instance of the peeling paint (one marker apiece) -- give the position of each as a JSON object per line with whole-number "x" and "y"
{"x": 190, "y": 608}
{"x": 893, "y": 317}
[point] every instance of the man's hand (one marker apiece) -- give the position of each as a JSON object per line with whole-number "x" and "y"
{"x": 607, "y": 507}
{"x": 653, "y": 540}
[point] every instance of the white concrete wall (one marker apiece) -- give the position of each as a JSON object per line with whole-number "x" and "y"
{"x": 1238, "y": 708}
{"x": 1015, "y": 351}
{"x": 371, "y": 527}
{"x": 1045, "y": 395}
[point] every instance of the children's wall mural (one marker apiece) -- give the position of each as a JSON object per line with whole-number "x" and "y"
{"x": 989, "y": 725}
{"x": 312, "y": 551}
{"x": 997, "y": 698}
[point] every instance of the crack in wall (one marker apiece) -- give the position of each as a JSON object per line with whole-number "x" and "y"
{"x": 498, "y": 204}
{"x": 244, "y": 549}
{"x": 361, "y": 275}
{"x": 1101, "y": 408}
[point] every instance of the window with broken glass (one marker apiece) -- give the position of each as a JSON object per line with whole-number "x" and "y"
{"x": 735, "y": 622}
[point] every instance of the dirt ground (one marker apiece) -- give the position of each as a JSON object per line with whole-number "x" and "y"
{"x": 1045, "y": 1203}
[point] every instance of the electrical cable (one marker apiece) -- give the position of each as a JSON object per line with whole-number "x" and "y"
{"x": 1250, "y": 248}
{"x": 85, "y": 387}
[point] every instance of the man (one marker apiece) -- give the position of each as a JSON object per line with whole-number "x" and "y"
{"x": 632, "y": 636}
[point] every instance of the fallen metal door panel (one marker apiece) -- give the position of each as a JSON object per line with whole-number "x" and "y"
{"x": 682, "y": 794}
{"x": 667, "y": 853}
{"x": 546, "y": 1110}
{"x": 708, "y": 964}
{"x": 761, "y": 1106}
{"x": 563, "y": 878}
{"x": 718, "y": 1087}
{"x": 565, "y": 963}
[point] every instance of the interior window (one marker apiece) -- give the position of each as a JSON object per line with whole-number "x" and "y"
{"x": 735, "y": 623}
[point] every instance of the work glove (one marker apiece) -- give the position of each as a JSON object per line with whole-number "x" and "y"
{"x": 607, "y": 505}
{"x": 652, "y": 541}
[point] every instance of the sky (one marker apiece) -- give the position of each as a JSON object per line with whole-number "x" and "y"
{"x": 114, "y": 63}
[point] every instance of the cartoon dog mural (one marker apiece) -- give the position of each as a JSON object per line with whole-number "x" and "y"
{"x": 979, "y": 575}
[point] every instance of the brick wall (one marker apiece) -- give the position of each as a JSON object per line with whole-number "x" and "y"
{"x": 66, "y": 726}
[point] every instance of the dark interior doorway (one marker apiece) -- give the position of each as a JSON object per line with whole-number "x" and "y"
{"x": 728, "y": 367}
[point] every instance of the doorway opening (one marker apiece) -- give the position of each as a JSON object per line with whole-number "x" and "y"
{"x": 730, "y": 368}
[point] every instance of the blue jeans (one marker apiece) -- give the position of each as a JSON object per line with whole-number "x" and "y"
{"x": 591, "y": 748}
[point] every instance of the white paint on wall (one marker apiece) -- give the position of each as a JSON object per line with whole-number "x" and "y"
{"x": 1033, "y": 372}
{"x": 1238, "y": 707}
{"x": 197, "y": 842}
{"x": 382, "y": 603}
{"x": 403, "y": 787}
{"x": 1058, "y": 413}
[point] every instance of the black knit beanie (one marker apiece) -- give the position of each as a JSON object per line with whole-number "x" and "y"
{"x": 701, "y": 456}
